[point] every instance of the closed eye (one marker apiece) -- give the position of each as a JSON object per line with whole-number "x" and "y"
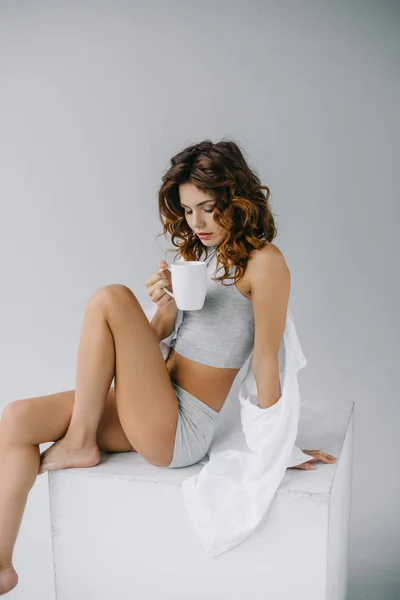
{"x": 190, "y": 212}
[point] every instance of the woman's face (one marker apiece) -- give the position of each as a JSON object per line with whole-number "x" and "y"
{"x": 200, "y": 218}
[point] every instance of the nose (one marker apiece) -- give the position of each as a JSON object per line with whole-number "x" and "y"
{"x": 197, "y": 222}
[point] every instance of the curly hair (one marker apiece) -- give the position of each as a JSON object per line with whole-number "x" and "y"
{"x": 241, "y": 209}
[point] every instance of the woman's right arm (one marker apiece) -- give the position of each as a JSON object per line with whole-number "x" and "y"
{"x": 163, "y": 321}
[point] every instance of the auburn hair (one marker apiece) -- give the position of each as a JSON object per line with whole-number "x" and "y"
{"x": 241, "y": 209}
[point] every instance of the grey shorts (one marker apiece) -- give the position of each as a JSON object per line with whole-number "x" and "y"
{"x": 196, "y": 426}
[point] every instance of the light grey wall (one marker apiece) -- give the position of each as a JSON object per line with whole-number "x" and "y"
{"x": 95, "y": 98}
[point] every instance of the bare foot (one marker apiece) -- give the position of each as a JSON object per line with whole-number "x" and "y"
{"x": 62, "y": 455}
{"x": 8, "y": 579}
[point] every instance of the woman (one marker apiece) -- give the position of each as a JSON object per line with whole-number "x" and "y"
{"x": 166, "y": 411}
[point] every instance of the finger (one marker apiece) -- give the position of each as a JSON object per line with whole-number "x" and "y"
{"x": 163, "y": 277}
{"x": 325, "y": 455}
{"x": 156, "y": 291}
{"x": 312, "y": 453}
{"x": 304, "y": 466}
{"x": 156, "y": 297}
{"x": 163, "y": 283}
{"x": 163, "y": 266}
{"x": 322, "y": 456}
{"x": 165, "y": 300}
{"x": 325, "y": 459}
{"x": 316, "y": 453}
{"x": 153, "y": 279}
{"x": 161, "y": 274}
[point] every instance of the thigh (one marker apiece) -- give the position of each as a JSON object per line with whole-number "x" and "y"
{"x": 46, "y": 418}
{"x": 146, "y": 401}
{"x": 196, "y": 427}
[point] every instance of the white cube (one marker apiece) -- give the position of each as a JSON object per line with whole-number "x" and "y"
{"x": 120, "y": 529}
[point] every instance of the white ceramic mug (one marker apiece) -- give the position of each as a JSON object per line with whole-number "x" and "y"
{"x": 189, "y": 282}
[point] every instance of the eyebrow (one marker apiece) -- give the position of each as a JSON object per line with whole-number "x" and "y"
{"x": 199, "y": 204}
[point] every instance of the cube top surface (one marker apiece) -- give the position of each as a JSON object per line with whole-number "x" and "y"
{"x": 322, "y": 426}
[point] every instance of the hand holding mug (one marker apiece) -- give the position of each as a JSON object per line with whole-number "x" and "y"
{"x": 158, "y": 286}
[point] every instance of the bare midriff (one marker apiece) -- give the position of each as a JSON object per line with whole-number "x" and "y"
{"x": 209, "y": 384}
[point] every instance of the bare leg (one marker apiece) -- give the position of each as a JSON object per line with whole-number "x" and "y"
{"x": 24, "y": 425}
{"x": 95, "y": 372}
{"x": 27, "y": 423}
{"x": 18, "y": 467}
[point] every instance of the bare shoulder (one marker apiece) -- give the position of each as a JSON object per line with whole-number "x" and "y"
{"x": 268, "y": 259}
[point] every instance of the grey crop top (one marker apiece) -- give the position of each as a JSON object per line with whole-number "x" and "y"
{"x": 221, "y": 333}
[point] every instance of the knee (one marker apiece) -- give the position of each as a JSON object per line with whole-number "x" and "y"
{"x": 109, "y": 294}
{"x": 14, "y": 418}
{"x": 12, "y": 411}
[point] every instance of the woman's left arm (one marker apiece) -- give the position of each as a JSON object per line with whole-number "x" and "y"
{"x": 270, "y": 289}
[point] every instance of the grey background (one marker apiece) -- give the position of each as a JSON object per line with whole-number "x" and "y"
{"x": 97, "y": 96}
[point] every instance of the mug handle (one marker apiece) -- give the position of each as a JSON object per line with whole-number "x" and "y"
{"x": 164, "y": 288}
